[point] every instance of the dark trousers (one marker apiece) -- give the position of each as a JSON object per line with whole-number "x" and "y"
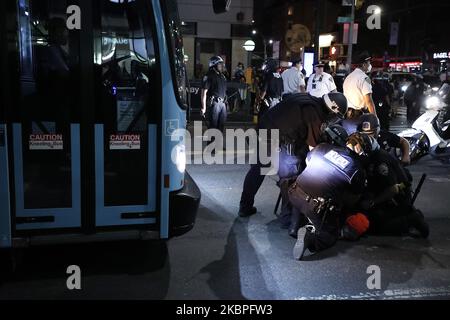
{"x": 390, "y": 219}
{"x": 290, "y": 166}
{"x": 217, "y": 116}
{"x": 326, "y": 225}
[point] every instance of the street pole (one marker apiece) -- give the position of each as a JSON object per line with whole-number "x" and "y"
{"x": 317, "y": 31}
{"x": 350, "y": 37}
{"x": 265, "y": 47}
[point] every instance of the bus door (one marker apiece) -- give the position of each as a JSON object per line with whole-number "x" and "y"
{"x": 84, "y": 126}
{"x": 127, "y": 100}
{"x": 46, "y": 118}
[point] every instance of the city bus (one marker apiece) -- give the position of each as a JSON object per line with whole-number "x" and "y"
{"x": 91, "y": 92}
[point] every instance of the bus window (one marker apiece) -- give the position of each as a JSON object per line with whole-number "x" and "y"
{"x": 127, "y": 96}
{"x": 48, "y": 101}
{"x": 177, "y": 51}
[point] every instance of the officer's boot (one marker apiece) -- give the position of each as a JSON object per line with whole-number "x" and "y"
{"x": 305, "y": 242}
{"x": 247, "y": 212}
{"x": 417, "y": 224}
{"x": 298, "y": 220}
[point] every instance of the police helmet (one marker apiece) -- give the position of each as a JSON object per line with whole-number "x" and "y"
{"x": 370, "y": 124}
{"x": 362, "y": 144}
{"x": 214, "y": 61}
{"x": 336, "y": 135}
{"x": 337, "y": 103}
{"x": 270, "y": 65}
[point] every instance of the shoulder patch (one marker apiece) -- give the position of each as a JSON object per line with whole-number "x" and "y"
{"x": 331, "y": 79}
{"x": 383, "y": 169}
{"x": 367, "y": 79}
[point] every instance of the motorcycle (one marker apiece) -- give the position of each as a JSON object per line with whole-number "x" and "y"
{"x": 430, "y": 133}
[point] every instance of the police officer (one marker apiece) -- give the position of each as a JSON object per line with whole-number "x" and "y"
{"x": 358, "y": 87}
{"x": 382, "y": 101}
{"x": 333, "y": 181}
{"x": 370, "y": 124}
{"x": 300, "y": 120}
{"x": 271, "y": 86}
{"x": 293, "y": 79}
{"x": 214, "y": 89}
{"x": 320, "y": 83}
{"x": 388, "y": 202}
{"x": 336, "y": 135}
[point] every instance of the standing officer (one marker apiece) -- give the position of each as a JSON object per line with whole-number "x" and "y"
{"x": 300, "y": 120}
{"x": 293, "y": 79}
{"x": 358, "y": 88}
{"x": 333, "y": 181}
{"x": 320, "y": 83}
{"x": 382, "y": 101}
{"x": 271, "y": 87}
{"x": 214, "y": 90}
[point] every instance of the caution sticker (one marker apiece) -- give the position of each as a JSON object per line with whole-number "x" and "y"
{"x": 46, "y": 142}
{"x": 125, "y": 142}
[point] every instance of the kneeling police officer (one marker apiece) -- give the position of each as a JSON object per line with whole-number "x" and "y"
{"x": 388, "y": 202}
{"x": 300, "y": 120}
{"x": 332, "y": 182}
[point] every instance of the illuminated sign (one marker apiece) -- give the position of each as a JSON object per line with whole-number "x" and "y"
{"x": 441, "y": 55}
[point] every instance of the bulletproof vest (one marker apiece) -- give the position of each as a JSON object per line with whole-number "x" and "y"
{"x": 330, "y": 171}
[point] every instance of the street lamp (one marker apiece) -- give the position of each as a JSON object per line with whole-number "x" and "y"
{"x": 249, "y": 46}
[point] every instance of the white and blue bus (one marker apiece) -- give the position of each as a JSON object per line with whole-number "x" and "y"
{"x": 91, "y": 91}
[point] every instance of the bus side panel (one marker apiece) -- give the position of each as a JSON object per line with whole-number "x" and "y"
{"x": 173, "y": 118}
{"x": 5, "y": 210}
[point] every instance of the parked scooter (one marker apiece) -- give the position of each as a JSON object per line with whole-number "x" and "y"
{"x": 430, "y": 133}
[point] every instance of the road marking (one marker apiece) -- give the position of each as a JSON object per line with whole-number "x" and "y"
{"x": 418, "y": 293}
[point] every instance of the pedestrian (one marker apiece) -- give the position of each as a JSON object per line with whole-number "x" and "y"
{"x": 300, "y": 121}
{"x": 293, "y": 79}
{"x": 320, "y": 83}
{"x": 358, "y": 87}
{"x": 214, "y": 89}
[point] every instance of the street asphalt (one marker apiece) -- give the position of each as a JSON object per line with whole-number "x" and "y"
{"x": 226, "y": 257}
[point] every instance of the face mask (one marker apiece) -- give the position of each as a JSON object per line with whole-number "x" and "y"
{"x": 369, "y": 68}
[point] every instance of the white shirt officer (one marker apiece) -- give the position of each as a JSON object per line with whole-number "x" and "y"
{"x": 320, "y": 83}
{"x": 358, "y": 86}
{"x": 293, "y": 79}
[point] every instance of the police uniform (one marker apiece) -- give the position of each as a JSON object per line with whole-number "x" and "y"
{"x": 323, "y": 190}
{"x": 380, "y": 92}
{"x": 293, "y": 79}
{"x": 356, "y": 86}
{"x": 389, "y": 141}
{"x": 320, "y": 85}
{"x": 391, "y": 217}
{"x": 300, "y": 121}
{"x": 272, "y": 85}
{"x": 216, "y": 84}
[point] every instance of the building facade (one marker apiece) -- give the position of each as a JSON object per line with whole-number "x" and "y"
{"x": 207, "y": 34}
